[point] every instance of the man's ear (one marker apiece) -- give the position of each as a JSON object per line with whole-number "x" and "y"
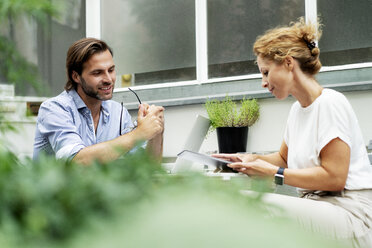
{"x": 75, "y": 76}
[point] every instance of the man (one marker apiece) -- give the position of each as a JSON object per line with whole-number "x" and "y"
{"x": 82, "y": 123}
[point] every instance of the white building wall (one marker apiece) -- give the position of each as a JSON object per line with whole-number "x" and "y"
{"x": 265, "y": 135}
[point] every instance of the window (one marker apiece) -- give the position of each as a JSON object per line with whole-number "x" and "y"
{"x": 153, "y": 40}
{"x": 347, "y": 31}
{"x": 154, "y": 43}
{"x": 233, "y": 27}
{"x": 204, "y": 47}
{"x": 43, "y": 47}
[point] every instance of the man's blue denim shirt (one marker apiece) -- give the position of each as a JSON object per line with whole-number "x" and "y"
{"x": 65, "y": 125}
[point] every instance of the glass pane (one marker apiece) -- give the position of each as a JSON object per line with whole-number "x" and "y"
{"x": 233, "y": 27}
{"x": 40, "y": 66}
{"x": 347, "y": 31}
{"x": 153, "y": 40}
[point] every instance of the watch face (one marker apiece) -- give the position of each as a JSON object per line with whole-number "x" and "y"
{"x": 279, "y": 179}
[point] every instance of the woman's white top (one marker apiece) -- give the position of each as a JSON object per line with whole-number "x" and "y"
{"x": 310, "y": 129}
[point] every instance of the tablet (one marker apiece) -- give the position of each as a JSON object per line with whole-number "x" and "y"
{"x": 204, "y": 159}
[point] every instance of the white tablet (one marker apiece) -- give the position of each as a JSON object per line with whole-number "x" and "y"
{"x": 204, "y": 159}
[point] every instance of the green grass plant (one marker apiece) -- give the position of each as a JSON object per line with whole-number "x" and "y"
{"x": 226, "y": 113}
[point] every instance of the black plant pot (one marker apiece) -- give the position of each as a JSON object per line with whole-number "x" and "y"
{"x": 232, "y": 140}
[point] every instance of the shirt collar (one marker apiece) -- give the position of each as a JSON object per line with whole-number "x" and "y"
{"x": 105, "y": 111}
{"x": 77, "y": 99}
{"x": 81, "y": 105}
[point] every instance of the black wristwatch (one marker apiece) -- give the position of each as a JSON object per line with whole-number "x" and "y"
{"x": 279, "y": 176}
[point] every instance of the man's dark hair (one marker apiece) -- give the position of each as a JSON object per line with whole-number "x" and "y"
{"x": 78, "y": 54}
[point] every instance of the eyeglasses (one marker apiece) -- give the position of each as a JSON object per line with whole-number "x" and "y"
{"x": 136, "y": 95}
{"x": 121, "y": 113}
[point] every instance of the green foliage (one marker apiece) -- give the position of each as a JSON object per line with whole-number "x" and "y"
{"x": 40, "y": 9}
{"x": 132, "y": 202}
{"x": 195, "y": 211}
{"x": 194, "y": 219}
{"x": 225, "y": 113}
{"x": 5, "y": 125}
{"x": 51, "y": 199}
{"x": 13, "y": 66}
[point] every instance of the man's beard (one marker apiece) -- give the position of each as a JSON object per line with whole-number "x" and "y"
{"x": 89, "y": 91}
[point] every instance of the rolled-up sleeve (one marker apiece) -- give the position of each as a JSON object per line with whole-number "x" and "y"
{"x": 58, "y": 125}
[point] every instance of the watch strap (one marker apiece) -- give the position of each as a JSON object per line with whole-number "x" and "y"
{"x": 279, "y": 176}
{"x": 280, "y": 171}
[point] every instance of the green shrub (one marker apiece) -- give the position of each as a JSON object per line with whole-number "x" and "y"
{"x": 225, "y": 113}
{"x": 51, "y": 199}
{"x": 132, "y": 202}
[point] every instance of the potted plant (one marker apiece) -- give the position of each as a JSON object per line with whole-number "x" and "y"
{"x": 232, "y": 122}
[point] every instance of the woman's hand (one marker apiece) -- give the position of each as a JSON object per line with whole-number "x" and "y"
{"x": 249, "y": 164}
{"x": 257, "y": 167}
{"x": 236, "y": 157}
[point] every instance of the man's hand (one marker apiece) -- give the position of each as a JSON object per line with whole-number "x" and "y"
{"x": 150, "y": 121}
{"x": 150, "y": 127}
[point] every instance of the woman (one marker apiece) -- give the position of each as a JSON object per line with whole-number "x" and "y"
{"x": 323, "y": 153}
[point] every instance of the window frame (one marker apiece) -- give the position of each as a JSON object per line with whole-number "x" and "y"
{"x": 347, "y": 77}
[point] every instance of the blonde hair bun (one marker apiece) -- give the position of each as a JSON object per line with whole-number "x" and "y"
{"x": 298, "y": 40}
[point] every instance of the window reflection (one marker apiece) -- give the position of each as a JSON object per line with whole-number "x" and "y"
{"x": 233, "y": 27}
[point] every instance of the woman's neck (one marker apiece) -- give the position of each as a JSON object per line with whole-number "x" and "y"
{"x": 306, "y": 89}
